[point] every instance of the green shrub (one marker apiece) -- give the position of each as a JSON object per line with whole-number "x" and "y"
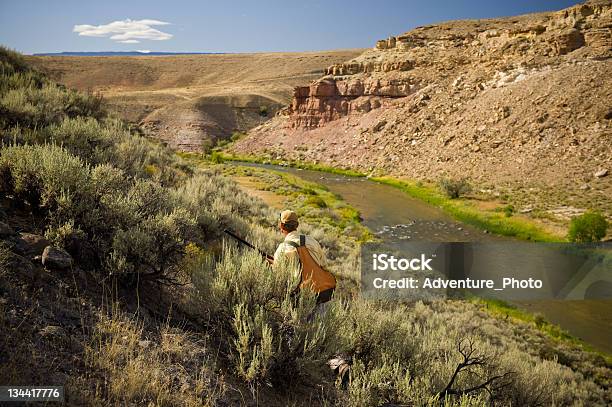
{"x": 588, "y": 227}
{"x": 133, "y": 154}
{"x": 308, "y": 191}
{"x": 206, "y": 145}
{"x": 153, "y": 247}
{"x": 46, "y": 105}
{"x": 108, "y": 180}
{"x": 86, "y": 137}
{"x": 508, "y": 210}
{"x": 44, "y": 176}
{"x": 65, "y": 234}
{"x": 136, "y": 223}
{"x": 269, "y": 332}
{"x": 453, "y": 188}
{"x": 12, "y": 61}
{"x": 316, "y": 201}
{"x": 216, "y": 157}
{"x": 407, "y": 356}
{"x": 253, "y": 342}
{"x": 221, "y": 143}
{"x": 263, "y": 111}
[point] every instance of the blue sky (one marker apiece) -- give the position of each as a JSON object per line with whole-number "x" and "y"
{"x": 232, "y": 25}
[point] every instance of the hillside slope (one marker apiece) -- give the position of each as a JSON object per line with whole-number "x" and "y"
{"x": 186, "y": 99}
{"x": 519, "y": 105}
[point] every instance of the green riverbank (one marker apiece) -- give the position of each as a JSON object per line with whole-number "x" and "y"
{"x": 460, "y": 209}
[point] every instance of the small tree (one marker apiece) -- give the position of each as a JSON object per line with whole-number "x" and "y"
{"x": 588, "y": 227}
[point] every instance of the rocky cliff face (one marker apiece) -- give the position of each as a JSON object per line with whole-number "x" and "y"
{"x": 329, "y": 99}
{"x": 392, "y": 68}
{"x": 520, "y": 105}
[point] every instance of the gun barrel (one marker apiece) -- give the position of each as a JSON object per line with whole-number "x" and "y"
{"x": 244, "y": 242}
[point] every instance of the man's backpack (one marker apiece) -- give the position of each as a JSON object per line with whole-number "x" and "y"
{"x": 314, "y": 276}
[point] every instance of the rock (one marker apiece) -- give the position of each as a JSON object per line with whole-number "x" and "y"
{"x": 330, "y": 99}
{"x": 568, "y": 41}
{"x": 6, "y": 230}
{"x": 386, "y": 44}
{"x": 379, "y": 126}
{"x": 520, "y": 77}
{"x": 56, "y": 258}
{"x": 601, "y": 173}
{"x": 30, "y": 244}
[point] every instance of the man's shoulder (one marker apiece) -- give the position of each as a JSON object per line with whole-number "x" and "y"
{"x": 296, "y": 238}
{"x": 286, "y": 245}
{"x": 312, "y": 240}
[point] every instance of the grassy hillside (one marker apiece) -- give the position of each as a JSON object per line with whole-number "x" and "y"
{"x": 190, "y": 101}
{"x": 116, "y": 282}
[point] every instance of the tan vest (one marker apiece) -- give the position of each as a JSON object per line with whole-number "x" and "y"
{"x": 313, "y": 276}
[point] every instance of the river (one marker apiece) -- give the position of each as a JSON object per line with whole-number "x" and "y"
{"x": 396, "y": 217}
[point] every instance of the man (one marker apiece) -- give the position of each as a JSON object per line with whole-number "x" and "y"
{"x": 310, "y": 255}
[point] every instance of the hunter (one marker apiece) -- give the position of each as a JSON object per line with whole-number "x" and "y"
{"x": 308, "y": 252}
{"x": 313, "y": 275}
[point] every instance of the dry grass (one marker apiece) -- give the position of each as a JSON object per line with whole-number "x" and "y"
{"x": 171, "y": 369}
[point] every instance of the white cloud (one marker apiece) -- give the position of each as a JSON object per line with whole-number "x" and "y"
{"x": 125, "y": 31}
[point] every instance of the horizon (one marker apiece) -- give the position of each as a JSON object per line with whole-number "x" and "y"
{"x": 241, "y": 27}
{"x": 144, "y": 53}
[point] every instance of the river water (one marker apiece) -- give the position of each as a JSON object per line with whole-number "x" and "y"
{"x": 397, "y": 218}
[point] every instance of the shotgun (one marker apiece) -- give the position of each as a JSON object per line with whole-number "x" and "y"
{"x": 244, "y": 242}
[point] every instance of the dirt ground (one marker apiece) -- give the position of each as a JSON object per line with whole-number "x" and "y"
{"x": 253, "y": 188}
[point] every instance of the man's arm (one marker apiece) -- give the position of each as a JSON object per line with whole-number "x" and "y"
{"x": 277, "y": 253}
